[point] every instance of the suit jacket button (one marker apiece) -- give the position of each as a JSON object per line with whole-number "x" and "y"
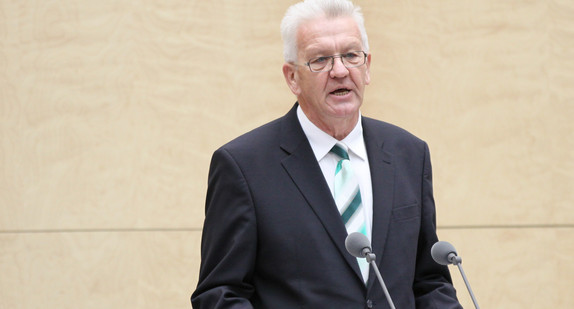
{"x": 369, "y": 303}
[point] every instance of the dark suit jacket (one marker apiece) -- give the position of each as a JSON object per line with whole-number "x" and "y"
{"x": 273, "y": 237}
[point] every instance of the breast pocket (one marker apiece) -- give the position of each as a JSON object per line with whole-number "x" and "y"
{"x": 404, "y": 213}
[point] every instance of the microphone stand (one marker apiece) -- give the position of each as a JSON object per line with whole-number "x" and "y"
{"x": 371, "y": 260}
{"x": 457, "y": 260}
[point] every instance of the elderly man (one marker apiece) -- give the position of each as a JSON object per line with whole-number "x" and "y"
{"x": 282, "y": 199}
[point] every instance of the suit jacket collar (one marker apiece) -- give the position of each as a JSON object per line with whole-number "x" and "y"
{"x": 382, "y": 178}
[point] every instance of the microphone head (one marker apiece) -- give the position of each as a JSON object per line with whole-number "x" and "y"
{"x": 356, "y": 243}
{"x": 440, "y": 252}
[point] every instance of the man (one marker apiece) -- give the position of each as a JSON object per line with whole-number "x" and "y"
{"x": 278, "y": 210}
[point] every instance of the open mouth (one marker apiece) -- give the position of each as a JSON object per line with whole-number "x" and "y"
{"x": 341, "y": 92}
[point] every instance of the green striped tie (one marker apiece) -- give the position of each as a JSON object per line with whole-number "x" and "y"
{"x": 348, "y": 199}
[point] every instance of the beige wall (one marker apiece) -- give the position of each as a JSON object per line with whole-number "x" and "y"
{"x": 110, "y": 110}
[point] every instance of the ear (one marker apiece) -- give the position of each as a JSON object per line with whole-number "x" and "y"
{"x": 368, "y": 71}
{"x": 289, "y": 72}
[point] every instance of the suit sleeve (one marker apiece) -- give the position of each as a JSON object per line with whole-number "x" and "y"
{"x": 433, "y": 285}
{"x": 229, "y": 241}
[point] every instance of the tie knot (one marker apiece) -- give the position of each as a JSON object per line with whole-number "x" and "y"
{"x": 341, "y": 151}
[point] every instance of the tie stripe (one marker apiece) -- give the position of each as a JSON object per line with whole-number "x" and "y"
{"x": 341, "y": 152}
{"x": 351, "y": 208}
{"x": 348, "y": 199}
{"x": 346, "y": 192}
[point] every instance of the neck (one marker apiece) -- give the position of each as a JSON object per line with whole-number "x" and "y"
{"x": 338, "y": 128}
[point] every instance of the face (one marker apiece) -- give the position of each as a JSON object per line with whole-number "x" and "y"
{"x": 330, "y": 97}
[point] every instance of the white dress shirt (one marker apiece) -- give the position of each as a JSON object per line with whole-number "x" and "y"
{"x": 321, "y": 143}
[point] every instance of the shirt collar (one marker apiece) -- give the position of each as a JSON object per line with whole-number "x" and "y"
{"x": 321, "y": 142}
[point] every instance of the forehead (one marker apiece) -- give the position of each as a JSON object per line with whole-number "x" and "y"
{"x": 328, "y": 35}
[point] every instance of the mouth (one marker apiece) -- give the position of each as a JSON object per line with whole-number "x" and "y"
{"x": 341, "y": 92}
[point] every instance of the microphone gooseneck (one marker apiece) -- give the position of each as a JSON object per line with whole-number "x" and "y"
{"x": 444, "y": 253}
{"x": 358, "y": 245}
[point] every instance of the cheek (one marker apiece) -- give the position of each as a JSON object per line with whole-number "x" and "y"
{"x": 362, "y": 79}
{"x": 314, "y": 86}
{"x": 365, "y": 76}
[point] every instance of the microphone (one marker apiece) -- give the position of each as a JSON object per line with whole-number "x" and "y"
{"x": 358, "y": 245}
{"x": 444, "y": 253}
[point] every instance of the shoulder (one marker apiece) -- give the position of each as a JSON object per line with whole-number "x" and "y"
{"x": 388, "y": 133}
{"x": 258, "y": 137}
{"x": 259, "y": 144}
{"x": 282, "y": 134}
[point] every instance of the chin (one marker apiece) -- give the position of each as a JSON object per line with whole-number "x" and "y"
{"x": 349, "y": 107}
{"x": 346, "y": 111}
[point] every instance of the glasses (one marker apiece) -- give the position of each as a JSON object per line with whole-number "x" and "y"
{"x": 325, "y": 63}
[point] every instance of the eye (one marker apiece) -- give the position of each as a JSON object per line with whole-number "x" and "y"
{"x": 351, "y": 55}
{"x": 319, "y": 60}
{"x": 353, "y": 58}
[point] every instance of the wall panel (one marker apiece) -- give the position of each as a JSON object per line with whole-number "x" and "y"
{"x": 486, "y": 84}
{"x": 514, "y": 267}
{"x": 148, "y": 269}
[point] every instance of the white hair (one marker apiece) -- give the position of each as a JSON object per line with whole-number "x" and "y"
{"x": 308, "y": 10}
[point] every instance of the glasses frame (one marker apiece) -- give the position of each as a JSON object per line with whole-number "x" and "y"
{"x": 308, "y": 63}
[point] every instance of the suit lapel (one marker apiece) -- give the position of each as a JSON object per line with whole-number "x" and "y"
{"x": 382, "y": 179}
{"x": 304, "y": 169}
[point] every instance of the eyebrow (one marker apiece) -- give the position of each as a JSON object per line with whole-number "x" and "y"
{"x": 323, "y": 52}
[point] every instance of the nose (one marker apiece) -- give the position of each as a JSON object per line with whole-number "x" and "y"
{"x": 339, "y": 69}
